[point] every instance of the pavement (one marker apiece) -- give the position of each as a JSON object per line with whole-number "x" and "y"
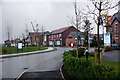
{"x": 27, "y": 53}
{"x": 47, "y": 75}
{"x": 113, "y": 56}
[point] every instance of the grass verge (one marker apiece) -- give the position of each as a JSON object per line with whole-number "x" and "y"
{"x": 114, "y": 65}
{"x": 14, "y": 50}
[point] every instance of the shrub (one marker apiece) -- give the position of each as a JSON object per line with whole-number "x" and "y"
{"x": 78, "y": 68}
{"x": 90, "y": 54}
{"x": 66, "y": 53}
{"x": 107, "y": 48}
{"x": 116, "y": 48}
{"x": 81, "y": 69}
{"x": 80, "y": 52}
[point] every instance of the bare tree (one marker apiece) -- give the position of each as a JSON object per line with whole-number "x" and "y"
{"x": 87, "y": 29}
{"x": 27, "y": 34}
{"x": 101, "y": 7}
{"x": 42, "y": 30}
{"x": 8, "y": 32}
{"x": 27, "y": 30}
{"x": 23, "y": 38}
{"x": 76, "y": 21}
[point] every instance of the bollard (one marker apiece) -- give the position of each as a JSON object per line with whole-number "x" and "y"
{"x": 101, "y": 59}
{"x": 95, "y": 57}
{"x": 77, "y": 52}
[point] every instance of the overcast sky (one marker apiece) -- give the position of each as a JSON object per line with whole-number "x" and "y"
{"x": 17, "y": 14}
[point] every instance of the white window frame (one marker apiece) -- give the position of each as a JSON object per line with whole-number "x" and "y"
{"x": 59, "y": 35}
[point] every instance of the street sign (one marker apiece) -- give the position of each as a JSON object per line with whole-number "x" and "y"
{"x": 19, "y": 45}
{"x": 107, "y": 39}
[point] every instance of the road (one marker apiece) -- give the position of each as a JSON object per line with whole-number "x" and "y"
{"x": 113, "y": 56}
{"x": 49, "y": 61}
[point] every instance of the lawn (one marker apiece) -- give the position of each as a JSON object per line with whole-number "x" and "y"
{"x": 13, "y": 50}
{"x": 115, "y": 65}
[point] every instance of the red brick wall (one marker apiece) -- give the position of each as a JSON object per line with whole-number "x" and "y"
{"x": 70, "y": 40}
{"x": 117, "y": 41}
{"x": 47, "y": 42}
{"x": 63, "y": 35}
{"x": 32, "y": 40}
{"x": 66, "y": 33}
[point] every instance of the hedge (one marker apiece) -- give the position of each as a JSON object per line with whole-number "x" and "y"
{"x": 73, "y": 52}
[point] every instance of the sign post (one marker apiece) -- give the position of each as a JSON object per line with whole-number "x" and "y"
{"x": 19, "y": 47}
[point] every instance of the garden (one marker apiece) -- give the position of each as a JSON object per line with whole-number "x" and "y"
{"x": 79, "y": 68}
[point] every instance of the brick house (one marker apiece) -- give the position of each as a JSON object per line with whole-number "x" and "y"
{"x": 71, "y": 38}
{"x": 36, "y": 38}
{"x": 108, "y": 24}
{"x": 116, "y": 28}
{"x": 58, "y": 37}
{"x": 46, "y": 38}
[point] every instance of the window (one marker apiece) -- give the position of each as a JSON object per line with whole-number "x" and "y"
{"x": 52, "y": 36}
{"x": 59, "y": 35}
{"x": 58, "y": 42}
{"x": 51, "y": 42}
{"x": 70, "y": 37}
{"x": 116, "y": 30}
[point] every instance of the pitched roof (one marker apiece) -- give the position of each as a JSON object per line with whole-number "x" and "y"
{"x": 116, "y": 16}
{"x": 47, "y": 33}
{"x": 60, "y": 30}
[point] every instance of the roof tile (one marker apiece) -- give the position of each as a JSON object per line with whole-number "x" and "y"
{"x": 60, "y": 30}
